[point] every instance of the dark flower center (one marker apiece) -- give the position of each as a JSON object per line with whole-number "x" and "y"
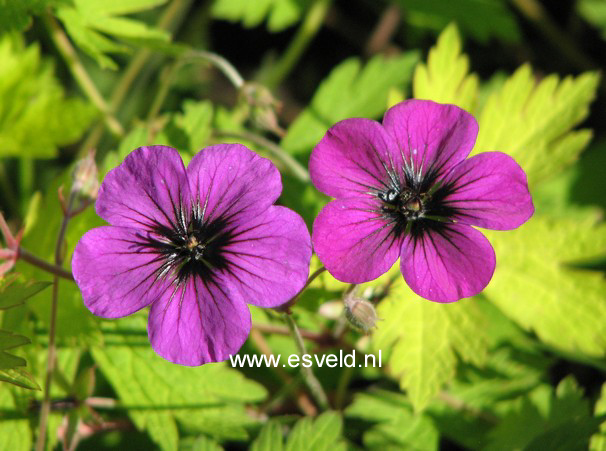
{"x": 405, "y": 202}
{"x": 417, "y": 203}
{"x": 191, "y": 248}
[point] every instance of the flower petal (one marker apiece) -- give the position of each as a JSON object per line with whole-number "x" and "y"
{"x": 489, "y": 190}
{"x": 447, "y": 264}
{"x": 116, "y": 274}
{"x": 198, "y": 322}
{"x": 432, "y": 136}
{"x": 268, "y": 257}
{"x": 354, "y": 158}
{"x": 353, "y": 241}
{"x": 229, "y": 178}
{"x": 147, "y": 190}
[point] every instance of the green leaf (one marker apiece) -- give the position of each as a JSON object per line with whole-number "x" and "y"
{"x": 270, "y": 438}
{"x": 547, "y": 420}
{"x": 444, "y": 78}
{"x": 423, "y": 337}
{"x": 395, "y": 426}
{"x": 535, "y": 285}
{"x": 17, "y": 293}
{"x": 598, "y": 441}
{"x": 20, "y": 378}
{"x": 280, "y": 14}
{"x": 193, "y": 126}
{"x": 480, "y": 19}
{"x": 532, "y": 122}
{"x": 320, "y": 434}
{"x": 89, "y": 23}
{"x": 35, "y": 116}
{"x": 15, "y": 434}
{"x": 349, "y": 91}
{"x": 16, "y": 14}
{"x": 594, "y": 12}
{"x": 208, "y": 399}
{"x": 201, "y": 443}
{"x": 8, "y": 340}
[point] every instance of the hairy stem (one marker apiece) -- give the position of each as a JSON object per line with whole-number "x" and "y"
{"x": 308, "y": 29}
{"x": 312, "y": 382}
{"x": 50, "y": 364}
{"x": 297, "y": 169}
{"x": 77, "y": 69}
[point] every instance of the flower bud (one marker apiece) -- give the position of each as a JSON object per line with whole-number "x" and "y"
{"x": 360, "y": 313}
{"x": 262, "y": 106}
{"x": 86, "y": 177}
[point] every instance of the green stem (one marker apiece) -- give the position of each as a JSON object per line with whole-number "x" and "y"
{"x": 297, "y": 169}
{"x": 220, "y": 63}
{"x": 308, "y": 29}
{"x": 310, "y": 379}
{"x": 51, "y": 358}
{"x": 77, "y": 69}
{"x": 165, "y": 82}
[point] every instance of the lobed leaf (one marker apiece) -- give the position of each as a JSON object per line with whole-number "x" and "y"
{"x": 445, "y": 78}
{"x": 395, "y": 426}
{"x": 424, "y": 338}
{"x": 36, "y": 118}
{"x": 536, "y": 285}
{"x": 208, "y": 399}
{"x": 91, "y": 24}
{"x": 320, "y": 434}
{"x": 532, "y": 121}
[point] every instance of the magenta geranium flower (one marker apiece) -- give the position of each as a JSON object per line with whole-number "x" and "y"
{"x": 405, "y": 189}
{"x": 196, "y": 245}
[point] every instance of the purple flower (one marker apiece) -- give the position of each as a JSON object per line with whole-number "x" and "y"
{"x": 195, "y": 245}
{"x": 405, "y": 189}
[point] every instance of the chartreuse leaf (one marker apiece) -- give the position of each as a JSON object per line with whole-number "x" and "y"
{"x": 280, "y": 14}
{"x": 532, "y": 121}
{"x": 208, "y": 399}
{"x": 497, "y": 20}
{"x": 445, "y": 78}
{"x": 547, "y": 420}
{"x": 395, "y": 426}
{"x": 201, "y": 443}
{"x": 89, "y": 23}
{"x": 320, "y": 434}
{"x": 14, "y": 427}
{"x": 594, "y": 12}
{"x": 598, "y": 441}
{"x": 351, "y": 90}
{"x": 535, "y": 285}
{"x": 35, "y": 116}
{"x": 424, "y": 336}
{"x": 532, "y": 283}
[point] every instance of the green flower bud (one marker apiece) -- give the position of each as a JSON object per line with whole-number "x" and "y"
{"x": 360, "y": 313}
